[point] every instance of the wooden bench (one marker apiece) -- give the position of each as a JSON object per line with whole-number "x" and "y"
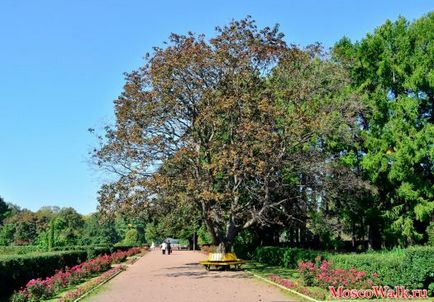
{"x": 224, "y": 261}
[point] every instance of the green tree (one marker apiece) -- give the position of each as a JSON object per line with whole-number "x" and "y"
{"x": 132, "y": 237}
{"x": 7, "y": 232}
{"x": 25, "y": 228}
{"x": 99, "y": 230}
{"x": 68, "y": 226}
{"x": 393, "y": 67}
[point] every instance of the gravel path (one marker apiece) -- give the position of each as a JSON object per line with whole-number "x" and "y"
{"x": 179, "y": 278}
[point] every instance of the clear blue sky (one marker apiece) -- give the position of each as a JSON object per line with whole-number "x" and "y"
{"x": 62, "y": 64}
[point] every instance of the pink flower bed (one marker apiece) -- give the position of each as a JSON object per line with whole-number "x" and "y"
{"x": 285, "y": 282}
{"x": 38, "y": 289}
{"x": 323, "y": 274}
{"x": 293, "y": 285}
{"x": 81, "y": 290}
{"x": 319, "y": 276}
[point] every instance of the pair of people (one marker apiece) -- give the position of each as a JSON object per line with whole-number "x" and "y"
{"x": 165, "y": 246}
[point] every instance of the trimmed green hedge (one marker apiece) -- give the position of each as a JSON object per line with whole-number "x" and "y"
{"x": 286, "y": 257}
{"x": 95, "y": 250}
{"x": 388, "y": 265}
{"x": 418, "y": 267}
{"x": 77, "y": 247}
{"x": 19, "y": 249}
{"x": 412, "y": 268}
{"x": 17, "y": 270}
{"x": 270, "y": 255}
{"x": 91, "y": 250}
{"x": 293, "y": 256}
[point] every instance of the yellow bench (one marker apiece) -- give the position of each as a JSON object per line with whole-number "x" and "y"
{"x": 222, "y": 260}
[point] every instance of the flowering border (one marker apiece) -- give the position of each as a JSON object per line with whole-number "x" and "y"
{"x": 41, "y": 289}
{"x": 85, "y": 289}
{"x": 287, "y": 285}
{"x": 286, "y": 288}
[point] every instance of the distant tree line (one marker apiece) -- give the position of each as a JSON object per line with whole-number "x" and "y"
{"x": 51, "y": 227}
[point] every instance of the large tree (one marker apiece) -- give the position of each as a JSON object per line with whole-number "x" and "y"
{"x": 242, "y": 127}
{"x": 393, "y": 67}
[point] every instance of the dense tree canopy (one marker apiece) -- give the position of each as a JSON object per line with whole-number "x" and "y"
{"x": 54, "y": 227}
{"x": 242, "y": 127}
{"x": 394, "y": 68}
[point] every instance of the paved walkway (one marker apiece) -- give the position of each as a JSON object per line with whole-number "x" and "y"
{"x": 179, "y": 278}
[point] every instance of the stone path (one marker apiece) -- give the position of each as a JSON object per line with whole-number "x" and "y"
{"x": 179, "y": 278}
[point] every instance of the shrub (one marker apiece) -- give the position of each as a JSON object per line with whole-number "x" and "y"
{"x": 388, "y": 265}
{"x": 79, "y": 291}
{"x": 38, "y": 289}
{"x": 134, "y": 251}
{"x": 21, "y": 296}
{"x": 124, "y": 247}
{"x": 412, "y": 267}
{"x": 97, "y": 264}
{"x": 60, "y": 280}
{"x": 15, "y": 271}
{"x": 285, "y": 282}
{"x": 19, "y": 249}
{"x": 286, "y": 257}
{"x": 118, "y": 257}
{"x": 132, "y": 237}
{"x": 317, "y": 293}
{"x": 78, "y": 247}
{"x": 270, "y": 255}
{"x": 324, "y": 274}
{"x": 430, "y": 232}
{"x": 418, "y": 267}
{"x": 92, "y": 252}
{"x": 292, "y": 256}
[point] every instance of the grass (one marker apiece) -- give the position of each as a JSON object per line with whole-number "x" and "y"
{"x": 264, "y": 270}
{"x": 95, "y": 292}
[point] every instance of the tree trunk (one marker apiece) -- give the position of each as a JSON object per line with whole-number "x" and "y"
{"x": 353, "y": 237}
{"x": 374, "y": 241}
{"x": 192, "y": 243}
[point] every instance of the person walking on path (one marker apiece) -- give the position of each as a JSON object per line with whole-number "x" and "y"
{"x": 169, "y": 248}
{"x": 164, "y": 247}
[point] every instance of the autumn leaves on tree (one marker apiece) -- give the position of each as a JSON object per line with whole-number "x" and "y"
{"x": 245, "y": 131}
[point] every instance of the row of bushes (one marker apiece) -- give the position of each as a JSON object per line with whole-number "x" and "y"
{"x": 95, "y": 250}
{"x": 81, "y": 290}
{"x": 19, "y": 249}
{"x": 16, "y": 270}
{"x": 412, "y": 267}
{"x": 38, "y": 289}
{"x": 286, "y": 257}
{"x": 26, "y": 249}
